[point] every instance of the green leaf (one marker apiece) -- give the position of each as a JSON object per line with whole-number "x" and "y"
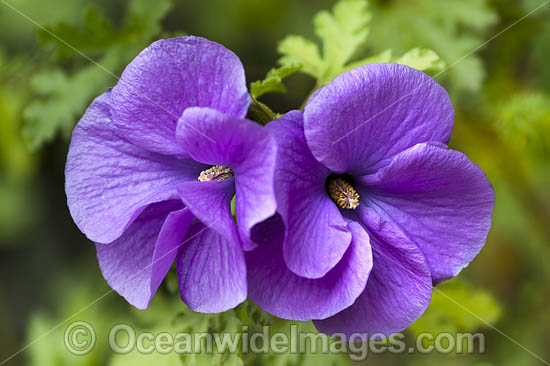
{"x": 385, "y": 56}
{"x": 421, "y": 59}
{"x": 273, "y": 82}
{"x": 401, "y": 26}
{"x": 445, "y": 315}
{"x": 260, "y": 112}
{"x": 299, "y": 50}
{"x": 342, "y": 32}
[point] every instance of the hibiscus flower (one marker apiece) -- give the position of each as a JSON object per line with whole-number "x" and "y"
{"x": 375, "y": 207}
{"x": 152, "y": 169}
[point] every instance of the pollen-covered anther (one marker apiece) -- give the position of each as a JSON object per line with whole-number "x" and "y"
{"x": 343, "y": 194}
{"x": 216, "y": 172}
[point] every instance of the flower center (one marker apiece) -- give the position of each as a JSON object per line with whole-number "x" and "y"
{"x": 342, "y": 193}
{"x": 216, "y": 172}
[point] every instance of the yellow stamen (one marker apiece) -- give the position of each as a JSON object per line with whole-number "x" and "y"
{"x": 342, "y": 193}
{"x": 217, "y": 172}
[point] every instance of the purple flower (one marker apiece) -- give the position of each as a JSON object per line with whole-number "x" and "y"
{"x": 376, "y": 209}
{"x": 152, "y": 168}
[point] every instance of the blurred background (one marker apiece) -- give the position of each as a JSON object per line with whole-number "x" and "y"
{"x": 501, "y": 94}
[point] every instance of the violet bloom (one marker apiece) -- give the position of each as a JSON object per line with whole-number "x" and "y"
{"x": 153, "y": 166}
{"x": 376, "y": 208}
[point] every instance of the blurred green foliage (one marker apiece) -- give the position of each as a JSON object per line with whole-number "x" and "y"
{"x": 524, "y": 120}
{"x": 62, "y": 95}
{"x": 451, "y": 310}
{"x": 16, "y": 163}
{"x": 452, "y": 28}
{"x": 501, "y": 93}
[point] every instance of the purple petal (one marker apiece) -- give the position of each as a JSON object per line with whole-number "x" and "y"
{"x": 244, "y": 146}
{"x": 170, "y": 239}
{"x": 282, "y": 293}
{"x": 211, "y": 271}
{"x": 135, "y": 264}
{"x": 166, "y": 78}
{"x": 316, "y": 234}
{"x": 442, "y": 201}
{"x": 367, "y": 115}
{"x": 210, "y": 202}
{"x": 398, "y": 290}
{"x": 109, "y": 181}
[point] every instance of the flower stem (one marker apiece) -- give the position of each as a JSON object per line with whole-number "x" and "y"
{"x": 261, "y": 113}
